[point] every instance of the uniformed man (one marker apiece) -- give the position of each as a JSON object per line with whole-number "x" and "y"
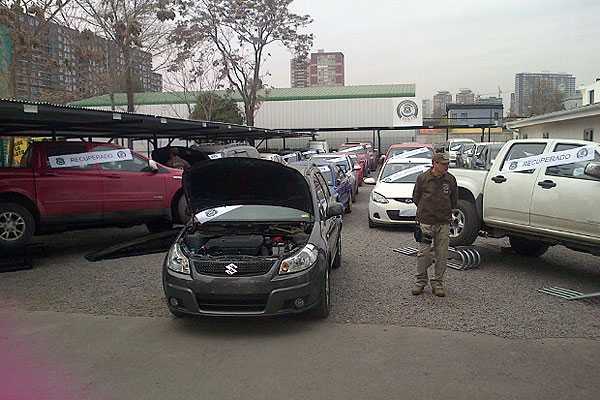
{"x": 175, "y": 161}
{"x": 435, "y": 195}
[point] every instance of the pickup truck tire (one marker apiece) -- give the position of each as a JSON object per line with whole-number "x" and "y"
{"x": 527, "y": 247}
{"x": 17, "y": 226}
{"x": 465, "y": 223}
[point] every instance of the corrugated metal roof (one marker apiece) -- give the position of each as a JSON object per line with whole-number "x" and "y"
{"x": 275, "y": 94}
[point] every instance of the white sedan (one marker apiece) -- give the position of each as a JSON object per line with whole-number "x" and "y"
{"x": 391, "y": 199}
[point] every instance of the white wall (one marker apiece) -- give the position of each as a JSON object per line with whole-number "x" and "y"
{"x": 585, "y": 93}
{"x": 571, "y": 129}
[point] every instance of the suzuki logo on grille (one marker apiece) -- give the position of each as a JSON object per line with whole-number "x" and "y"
{"x": 231, "y": 269}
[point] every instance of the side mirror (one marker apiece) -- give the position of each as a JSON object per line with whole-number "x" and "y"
{"x": 153, "y": 165}
{"x": 334, "y": 209}
{"x": 593, "y": 170}
{"x": 369, "y": 181}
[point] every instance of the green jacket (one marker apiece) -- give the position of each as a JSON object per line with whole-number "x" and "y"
{"x": 435, "y": 198}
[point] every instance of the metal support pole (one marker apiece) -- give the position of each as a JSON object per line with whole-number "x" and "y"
{"x": 155, "y": 142}
{"x": 447, "y": 133}
{"x": 266, "y": 143}
{"x": 379, "y": 141}
{"x": 482, "y": 135}
{"x": 489, "y": 133}
{"x": 373, "y": 137}
{"x": 284, "y": 142}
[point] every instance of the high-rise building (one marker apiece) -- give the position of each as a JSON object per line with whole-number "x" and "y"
{"x": 439, "y": 103}
{"x": 68, "y": 64}
{"x": 299, "y": 72}
{"x": 427, "y": 108}
{"x": 326, "y": 69}
{"x": 465, "y": 96}
{"x": 528, "y": 84}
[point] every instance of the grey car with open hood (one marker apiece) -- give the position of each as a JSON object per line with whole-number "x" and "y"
{"x": 262, "y": 240}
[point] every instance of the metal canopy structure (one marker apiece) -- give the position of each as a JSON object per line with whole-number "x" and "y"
{"x": 23, "y": 118}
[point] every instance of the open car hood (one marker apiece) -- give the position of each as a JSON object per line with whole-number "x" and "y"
{"x": 245, "y": 181}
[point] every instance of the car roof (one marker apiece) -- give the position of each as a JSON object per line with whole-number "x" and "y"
{"x": 402, "y": 160}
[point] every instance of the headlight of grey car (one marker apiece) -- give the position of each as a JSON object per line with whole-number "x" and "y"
{"x": 177, "y": 261}
{"x": 301, "y": 261}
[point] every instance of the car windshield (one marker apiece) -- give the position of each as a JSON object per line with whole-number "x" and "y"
{"x": 342, "y": 162}
{"x": 456, "y": 146}
{"x": 252, "y": 213}
{"x": 412, "y": 152}
{"x": 402, "y": 173}
{"x": 352, "y": 148}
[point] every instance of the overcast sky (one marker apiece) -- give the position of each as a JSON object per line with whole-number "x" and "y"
{"x": 447, "y": 45}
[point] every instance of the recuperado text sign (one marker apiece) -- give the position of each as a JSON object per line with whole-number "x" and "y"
{"x": 93, "y": 157}
{"x": 550, "y": 160}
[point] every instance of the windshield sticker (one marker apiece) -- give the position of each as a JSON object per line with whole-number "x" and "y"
{"x": 93, "y": 157}
{"x": 324, "y": 169}
{"x": 215, "y": 156}
{"x": 404, "y": 173}
{"x": 212, "y": 213}
{"x": 411, "y": 153}
{"x": 550, "y": 160}
{"x": 351, "y": 149}
{"x": 336, "y": 160}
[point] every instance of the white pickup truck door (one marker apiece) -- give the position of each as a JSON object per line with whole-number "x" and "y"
{"x": 566, "y": 200}
{"x": 507, "y": 195}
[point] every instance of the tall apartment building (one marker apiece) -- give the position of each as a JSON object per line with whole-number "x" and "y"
{"x": 299, "y": 72}
{"x": 465, "y": 96}
{"x": 326, "y": 69}
{"x": 321, "y": 69}
{"x": 440, "y": 100}
{"x": 526, "y": 85}
{"x": 68, "y": 64}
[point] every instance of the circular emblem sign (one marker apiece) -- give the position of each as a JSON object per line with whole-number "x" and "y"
{"x": 60, "y": 161}
{"x": 121, "y": 154}
{"x": 407, "y": 109}
{"x": 211, "y": 213}
{"x": 582, "y": 153}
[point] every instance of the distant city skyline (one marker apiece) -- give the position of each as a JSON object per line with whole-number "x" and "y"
{"x": 393, "y": 43}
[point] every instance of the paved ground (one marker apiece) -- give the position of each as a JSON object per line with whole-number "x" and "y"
{"x": 373, "y": 286}
{"x": 49, "y": 355}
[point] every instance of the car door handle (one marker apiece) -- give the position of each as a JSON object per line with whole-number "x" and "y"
{"x": 499, "y": 179}
{"x": 547, "y": 184}
{"x": 113, "y": 176}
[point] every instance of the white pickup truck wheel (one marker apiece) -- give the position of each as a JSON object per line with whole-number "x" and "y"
{"x": 464, "y": 226}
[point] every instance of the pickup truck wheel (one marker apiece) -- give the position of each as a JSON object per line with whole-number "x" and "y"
{"x": 527, "y": 247}
{"x": 464, "y": 227}
{"x": 16, "y": 226}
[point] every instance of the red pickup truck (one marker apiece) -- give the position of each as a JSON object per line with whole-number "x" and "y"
{"x": 37, "y": 197}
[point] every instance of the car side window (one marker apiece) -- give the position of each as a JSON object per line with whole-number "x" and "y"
{"x": 66, "y": 148}
{"x": 137, "y": 164}
{"x": 523, "y": 150}
{"x": 574, "y": 170}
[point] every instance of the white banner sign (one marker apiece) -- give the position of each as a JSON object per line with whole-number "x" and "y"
{"x": 207, "y": 215}
{"x": 324, "y": 169}
{"x": 407, "y": 112}
{"x": 411, "y": 153}
{"x": 336, "y": 160}
{"x": 94, "y": 157}
{"x": 215, "y": 156}
{"x": 550, "y": 159}
{"x": 404, "y": 173}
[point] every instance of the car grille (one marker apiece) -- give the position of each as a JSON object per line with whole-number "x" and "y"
{"x": 233, "y": 303}
{"x": 404, "y": 200}
{"x": 394, "y": 215}
{"x": 244, "y": 268}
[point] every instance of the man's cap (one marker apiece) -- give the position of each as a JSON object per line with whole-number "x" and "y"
{"x": 441, "y": 157}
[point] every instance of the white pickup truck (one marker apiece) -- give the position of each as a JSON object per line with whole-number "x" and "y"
{"x": 535, "y": 208}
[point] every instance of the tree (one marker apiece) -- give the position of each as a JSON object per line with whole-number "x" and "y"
{"x": 132, "y": 25}
{"x": 545, "y": 98}
{"x": 212, "y": 107}
{"x": 242, "y": 32}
